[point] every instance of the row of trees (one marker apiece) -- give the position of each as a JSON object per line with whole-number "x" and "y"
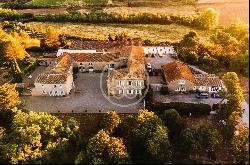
{"x": 227, "y": 48}
{"x": 207, "y": 19}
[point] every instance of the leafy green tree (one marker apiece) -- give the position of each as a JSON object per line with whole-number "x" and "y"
{"x": 173, "y": 121}
{"x": 147, "y": 132}
{"x": 240, "y": 63}
{"x": 209, "y": 137}
{"x": 190, "y": 142}
{"x": 240, "y": 145}
{"x": 103, "y": 149}
{"x": 191, "y": 57}
{"x": 109, "y": 121}
{"x": 207, "y": 19}
{"x": 189, "y": 47}
{"x": 33, "y": 136}
{"x": 51, "y": 39}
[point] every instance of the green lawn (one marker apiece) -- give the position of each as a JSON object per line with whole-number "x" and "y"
{"x": 154, "y": 32}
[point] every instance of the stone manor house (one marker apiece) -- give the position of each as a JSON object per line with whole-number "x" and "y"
{"x": 125, "y": 65}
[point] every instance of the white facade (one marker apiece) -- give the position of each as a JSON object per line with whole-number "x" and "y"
{"x": 42, "y": 89}
{"x": 161, "y": 50}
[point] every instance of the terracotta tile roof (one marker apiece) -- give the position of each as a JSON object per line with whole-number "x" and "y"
{"x": 94, "y": 57}
{"x": 64, "y": 64}
{"x": 177, "y": 70}
{"x": 135, "y": 66}
{"x": 207, "y": 80}
{"x": 98, "y": 45}
{"x": 52, "y": 78}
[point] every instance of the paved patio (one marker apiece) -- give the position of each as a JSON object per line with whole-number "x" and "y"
{"x": 88, "y": 99}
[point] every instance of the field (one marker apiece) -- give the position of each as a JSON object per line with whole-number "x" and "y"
{"x": 154, "y": 32}
{"x": 229, "y": 10}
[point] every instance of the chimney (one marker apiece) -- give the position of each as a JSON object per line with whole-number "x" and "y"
{"x": 103, "y": 51}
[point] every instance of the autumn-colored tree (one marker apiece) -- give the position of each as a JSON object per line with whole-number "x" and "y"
{"x": 103, "y": 149}
{"x": 240, "y": 145}
{"x": 233, "y": 111}
{"x": 51, "y": 39}
{"x": 109, "y": 121}
{"x": 225, "y": 45}
{"x": 34, "y": 136}
{"x": 207, "y": 19}
{"x": 13, "y": 51}
{"x": 238, "y": 29}
{"x": 9, "y": 97}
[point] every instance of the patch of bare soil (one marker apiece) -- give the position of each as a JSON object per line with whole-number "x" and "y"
{"x": 43, "y": 11}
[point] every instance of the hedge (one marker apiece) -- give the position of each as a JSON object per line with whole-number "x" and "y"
{"x": 216, "y": 106}
{"x": 181, "y": 108}
{"x": 102, "y": 17}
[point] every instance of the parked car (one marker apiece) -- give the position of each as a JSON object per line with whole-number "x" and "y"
{"x": 215, "y": 95}
{"x": 202, "y": 95}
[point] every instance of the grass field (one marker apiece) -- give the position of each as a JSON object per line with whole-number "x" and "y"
{"x": 154, "y": 32}
{"x": 228, "y": 9}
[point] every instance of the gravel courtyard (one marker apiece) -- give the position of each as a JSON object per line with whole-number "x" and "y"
{"x": 88, "y": 98}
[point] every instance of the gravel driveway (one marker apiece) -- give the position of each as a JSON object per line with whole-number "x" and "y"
{"x": 89, "y": 99}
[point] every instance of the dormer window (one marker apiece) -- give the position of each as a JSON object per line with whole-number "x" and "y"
{"x": 181, "y": 81}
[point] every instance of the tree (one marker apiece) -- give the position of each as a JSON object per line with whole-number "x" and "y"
{"x": 109, "y": 121}
{"x": 238, "y": 29}
{"x": 190, "y": 142}
{"x": 209, "y": 137}
{"x": 150, "y": 136}
{"x": 51, "y": 39}
{"x": 12, "y": 50}
{"x": 34, "y": 136}
{"x": 191, "y": 57}
{"x": 225, "y": 45}
{"x": 173, "y": 121}
{"x": 233, "y": 111}
{"x": 207, "y": 19}
{"x": 240, "y": 145}
{"x": 103, "y": 149}
{"x": 240, "y": 63}
{"x": 9, "y": 97}
{"x": 188, "y": 47}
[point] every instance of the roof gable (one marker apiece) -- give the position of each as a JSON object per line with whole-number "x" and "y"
{"x": 177, "y": 70}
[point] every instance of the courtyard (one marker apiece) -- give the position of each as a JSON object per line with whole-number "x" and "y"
{"x": 87, "y": 97}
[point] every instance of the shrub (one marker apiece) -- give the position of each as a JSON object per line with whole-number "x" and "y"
{"x": 181, "y": 108}
{"x": 216, "y": 106}
{"x": 164, "y": 90}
